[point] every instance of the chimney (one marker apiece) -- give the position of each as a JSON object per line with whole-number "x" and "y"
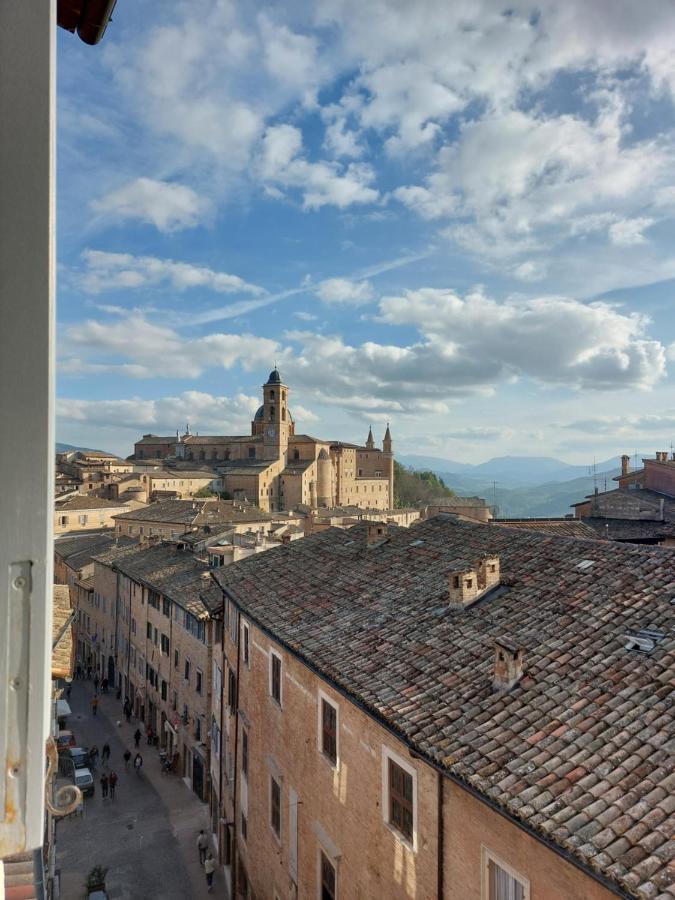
{"x": 508, "y": 664}
{"x": 470, "y": 582}
{"x": 625, "y": 464}
{"x": 377, "y": 533}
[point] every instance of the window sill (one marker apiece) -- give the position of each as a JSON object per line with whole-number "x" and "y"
{"x": 401, "y": 838}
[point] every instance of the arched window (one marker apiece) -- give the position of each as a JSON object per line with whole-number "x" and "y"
{"x": 296, "y": 454}
{"x": 271, "y": 395}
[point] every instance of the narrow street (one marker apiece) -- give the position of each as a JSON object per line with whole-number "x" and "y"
{"x": 147, "y": 835}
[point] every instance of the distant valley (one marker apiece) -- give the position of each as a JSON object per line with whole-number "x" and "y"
{"x": 523, "y": 486}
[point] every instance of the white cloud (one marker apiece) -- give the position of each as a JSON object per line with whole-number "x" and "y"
{"x": 204, "y": 412}
{"x": 302, "y": 414}
{"x": 108, "y": 271}
{"x": 280, "y": 163}
{"x": 345, "y": 292}
{"x": 628, "y": 232}
{"x": 530, "y": 270}
{"x": 168, "y": 206}
{"x": 305, "y": 316}
{"x": 158, "y": 351}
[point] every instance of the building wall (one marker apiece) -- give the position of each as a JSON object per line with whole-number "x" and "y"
{"x": 340, "y": 809}
{"x": 470, "y": 825}
{"x": 659, "y": 476}
{"x": 84, "y": 519}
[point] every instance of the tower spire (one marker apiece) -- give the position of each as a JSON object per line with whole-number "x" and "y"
{"x": 370, "y": 441}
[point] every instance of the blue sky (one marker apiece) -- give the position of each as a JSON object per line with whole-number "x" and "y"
{"x": 455, "y": 217}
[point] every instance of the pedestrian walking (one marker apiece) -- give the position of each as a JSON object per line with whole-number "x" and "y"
{"x": 105, "y": 754}
{"x": 93, "y": 755}
{"x": 127, "y": 758}
{"x": 104, "y": 785}
{"x": 209, "y": 868}
{"x": 149, "y": 734}
{"x": 138, "y": 762}
{"x": 113, "y": 784}
{"x": 202, "y": 844}
{"x": 96, "y": 683}
{"x": 137, "y": 737}
{"x": 94, "y": 704}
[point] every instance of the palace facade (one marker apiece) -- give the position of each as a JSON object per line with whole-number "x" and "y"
{"x": 280, "y": 470}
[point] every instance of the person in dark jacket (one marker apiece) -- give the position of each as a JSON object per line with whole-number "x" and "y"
{"x": 104, "y": 785}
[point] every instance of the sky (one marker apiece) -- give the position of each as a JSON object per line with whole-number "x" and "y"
{"x": 458, "y": 218}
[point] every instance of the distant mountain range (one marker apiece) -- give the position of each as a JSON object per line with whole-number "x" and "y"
{"x": 526, "y": 486}
{"x": 64, "y": 448}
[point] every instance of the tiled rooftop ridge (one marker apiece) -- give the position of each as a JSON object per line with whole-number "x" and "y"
{"x": 580, "y": 750}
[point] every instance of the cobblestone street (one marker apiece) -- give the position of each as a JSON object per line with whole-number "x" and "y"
{"x": 147, "y": 835}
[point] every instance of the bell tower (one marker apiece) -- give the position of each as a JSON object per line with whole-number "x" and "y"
{"x": 275, "y": 417}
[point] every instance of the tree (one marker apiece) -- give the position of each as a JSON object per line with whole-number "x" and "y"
{"x": 412, "y": 487}
{"x": 205, "y": 492}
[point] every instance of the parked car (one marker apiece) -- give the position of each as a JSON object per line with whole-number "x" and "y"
{"x": 73, "y": 758}
{"x": 85, "y": 781}
{"x": 65, "y": 740}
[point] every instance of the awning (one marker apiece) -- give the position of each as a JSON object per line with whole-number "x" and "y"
{"x": 63, "y": 710}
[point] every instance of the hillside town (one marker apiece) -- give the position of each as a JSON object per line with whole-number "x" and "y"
{"x": 327, "y": 331}
{"x": 313, "y": 676}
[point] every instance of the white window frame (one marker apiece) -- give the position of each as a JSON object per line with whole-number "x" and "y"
{"x": 27, "y": 351}
{"x": 245, "y": 644}
{"x": 389, "y": 754}
{"x": 280, "y": 701}
{"x": 273, "y": 777}
{"x": 324, "y": 698}
{"x": 487, "y": 856}
{"x": 333, "y": 860}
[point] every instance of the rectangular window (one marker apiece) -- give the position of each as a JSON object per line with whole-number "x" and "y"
{"x": 165, "y": 644}
{"x": 275, "y": 806}
{"x": 148, "y": 631}
{"x": 198, "y": 684}
{"x": 234, "y": 623}
{"x": 198, "y": 728}
{"x": 244, "y": 753}
{"x": 328, "y": 878}
{"x": 400, "y": 799}
{"x": 245, "y": 652}
{"x": 155, "y": 637}
{"x": 153, "y": 599}
{"x": 164, "y": 689}
{"x": 175, "y": 659}
{"x": 275, "y": 677}
{"x": 166, "y": 607}
{"x": 187, "y": 670}
{"x": 244, "y": 827}
{"x": 329, "y": 730}
{"x": 501, "y": 882}
{"x": 231, "y": 690}
{"x": 174, "y": 701}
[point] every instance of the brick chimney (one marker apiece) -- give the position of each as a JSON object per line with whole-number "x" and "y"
{"x": 508, "y": 664}
{"x": 377, "y": 533}
{"x": 469, "y": 582}
{"x": 625, "y": 464}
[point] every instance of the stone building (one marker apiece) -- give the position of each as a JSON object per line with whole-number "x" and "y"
{"x": 279, "y": 469}
{"x": 157, "y": 613}
{"x": 170, "y": 519}
{"x": 449, "y": 711}
{"x": 85, "y": 513}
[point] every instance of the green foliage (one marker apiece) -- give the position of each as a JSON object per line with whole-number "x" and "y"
{"x": 205, "y": 492}
{"x": 412, "y": 487}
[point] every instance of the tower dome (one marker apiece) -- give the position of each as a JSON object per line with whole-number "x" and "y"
{"x": 275, "y": 377}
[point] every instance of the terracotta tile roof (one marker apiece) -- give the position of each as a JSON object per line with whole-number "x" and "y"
{"x": 630, "y": 529}
{"x": 631, "y": 504}
{"x": 173, "y": 573}
{"x": 63, "y": 652}
{"x": 80, "y": 501}
{"x": 569, "y": 527}
{"x": 581, "y": 750}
